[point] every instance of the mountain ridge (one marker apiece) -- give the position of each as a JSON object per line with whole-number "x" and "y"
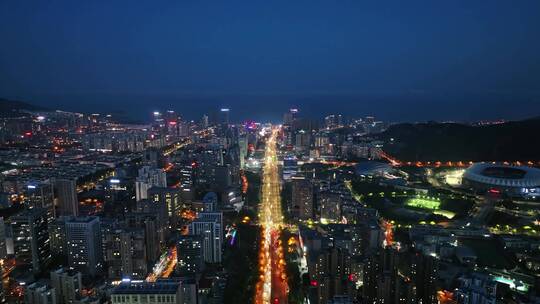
{"x": 17, "y": 108}
{"x": 509, "y": 141}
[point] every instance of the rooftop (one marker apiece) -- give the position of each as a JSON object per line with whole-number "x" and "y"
{"x": 159, "y": 287}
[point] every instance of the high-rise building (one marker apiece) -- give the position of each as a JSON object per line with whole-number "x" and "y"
{"x": 243, "y": 150}
{"x": 184, "y": 129}
{"x": 290, "y": 167}
{"x": 186, "y": 176}
{"x": 158, "y": 123}
{"x": 84, "y": 244}
{"x": 209, "y": 225}
{"x": 39, "y": 293}
{"x": 67, "y": 285}
{"x": 41, "y": 195}
{"x": 170, "y": 197}
{"x": 125, "y": 254}
{"x": 31, "y": 238}
{"x": 68, "y": 203}
{"x": 387, "y": 278}
{"x": 189, "y": 254}
{"x": 160, "y": 292}
{"x": 204, "y": 121}
{"x": 302, "y": 140}
{"x": 302, "y": 197}
{"x": 290, "y": 117}
{"x": 384, "y": 281}
{"x": 150, "y": 223}
{"x": 424, "y": 275}
{"x": 159, "y": 208}
{"x": 57, "y": 235}
{"x": 213, "y": 216}
{"x": 172, "y": 122}
{"x": 126, "y": 141}
{"x": 370, "y": 286}
{"x": 149, "y": 177}
{"x": 329, "y": 273}
{"x": 224, "y": 116}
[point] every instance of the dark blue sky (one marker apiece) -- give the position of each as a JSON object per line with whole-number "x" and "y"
{"x": 399, "y": 60}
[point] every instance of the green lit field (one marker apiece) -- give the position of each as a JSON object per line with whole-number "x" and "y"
{"x": 424, "y": 203}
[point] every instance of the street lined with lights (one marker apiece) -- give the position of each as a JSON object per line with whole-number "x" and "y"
{"x": 272, "y": 286}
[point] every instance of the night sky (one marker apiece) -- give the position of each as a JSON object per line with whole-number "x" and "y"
{"x": 398, "y": 60}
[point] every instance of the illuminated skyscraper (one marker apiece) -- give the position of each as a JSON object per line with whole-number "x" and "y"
{"x": 150, "y": 223}
{"x": 170, "y": 197}
{"x": 57, "y": 235}
{"x": 190, "y": 255}
{"x": 243, "y": 149}
{"x": 31, "y": 238}
{"x": 125, "y": 253}
{"x": 209, "y": 225}
{"x": 41, "y": 195}
{"x": 84, "y": 244}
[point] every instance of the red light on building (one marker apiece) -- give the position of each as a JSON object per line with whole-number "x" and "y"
{"x": 495, "y": 191}
{"x": 28, "y": 134}
{"x": 314, "y": 283}
{"x": 351, "y": 277}
{"x": 172, "y": 123}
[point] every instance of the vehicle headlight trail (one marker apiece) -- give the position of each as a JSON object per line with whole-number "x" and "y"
{"x": 272, "y": 286}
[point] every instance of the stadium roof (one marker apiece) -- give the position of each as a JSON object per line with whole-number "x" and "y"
{"x": 504, "y": 176}
{"x": 372, "y": 167}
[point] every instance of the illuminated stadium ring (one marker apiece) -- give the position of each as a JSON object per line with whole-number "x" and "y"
{"x": 516, "y": 180}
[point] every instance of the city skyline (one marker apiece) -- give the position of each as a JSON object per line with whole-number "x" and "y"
{"x": 269, "y": 152}
{"x": 210, "y": 211}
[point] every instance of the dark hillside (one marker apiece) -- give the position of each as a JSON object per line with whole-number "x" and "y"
{"x": 517, "y": 140}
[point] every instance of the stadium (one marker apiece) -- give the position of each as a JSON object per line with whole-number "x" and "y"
{"x": 514, "y": 181}
{"x": 373, "y": 168}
